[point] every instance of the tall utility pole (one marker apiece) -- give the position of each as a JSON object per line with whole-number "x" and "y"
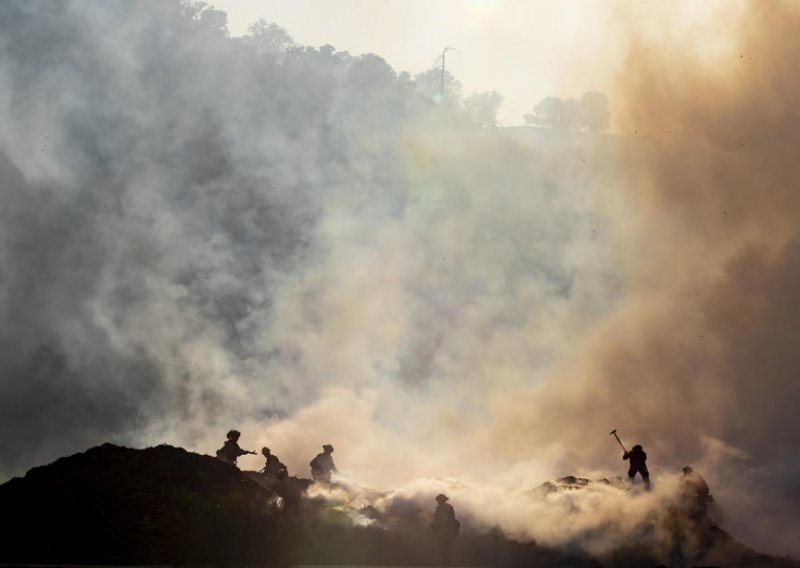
{"x": 441, "y": 90}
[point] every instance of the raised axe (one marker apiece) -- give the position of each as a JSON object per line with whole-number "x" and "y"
{"x": 614, "y": 433}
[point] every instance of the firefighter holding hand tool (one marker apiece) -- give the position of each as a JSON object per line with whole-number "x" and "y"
{"x": 638, "y": 461}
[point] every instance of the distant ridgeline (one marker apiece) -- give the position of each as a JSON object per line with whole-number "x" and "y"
{"x": 164, "y": 505}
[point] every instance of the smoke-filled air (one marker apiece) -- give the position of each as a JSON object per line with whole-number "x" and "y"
{"x": 201, "y": 232}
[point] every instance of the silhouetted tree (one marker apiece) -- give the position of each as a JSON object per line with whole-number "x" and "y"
{"x": 589, "y": 113}
{"x": 550, "y": 112}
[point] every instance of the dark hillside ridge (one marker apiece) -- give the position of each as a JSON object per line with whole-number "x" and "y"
{"x": 163, "y": 505}
{"x": 115, "y": 505}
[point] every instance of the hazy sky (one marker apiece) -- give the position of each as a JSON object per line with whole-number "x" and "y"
{"x": 524, "y": 49}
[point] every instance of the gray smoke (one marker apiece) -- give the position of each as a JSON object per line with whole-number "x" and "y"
{"x": 200, "y": 232}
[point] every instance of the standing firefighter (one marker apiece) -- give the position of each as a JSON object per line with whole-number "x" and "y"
{"x": 445, "y": 527}
{"x": 322, "y": 465}
{"x": 638, "y": 464}
{"x": 230, "y": 451}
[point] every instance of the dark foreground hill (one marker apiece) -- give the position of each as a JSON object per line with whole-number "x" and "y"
{"x": 114, "y": 505}
{"x": 164, "y": 505}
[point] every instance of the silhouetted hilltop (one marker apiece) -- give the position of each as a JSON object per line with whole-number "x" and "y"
{"x": 115, "y": 505}
{"x": 164, "y": 505}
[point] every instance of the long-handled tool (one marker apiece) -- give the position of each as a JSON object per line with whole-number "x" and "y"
{"x": 614, "y": 433}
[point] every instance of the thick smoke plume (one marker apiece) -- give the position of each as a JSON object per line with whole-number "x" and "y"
{"x": 201, "y": 232}
{"x": 700, "y": 360}
{"x": 720, "y": 210}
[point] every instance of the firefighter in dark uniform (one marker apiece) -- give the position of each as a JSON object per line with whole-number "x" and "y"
{"x": 445, "y": 527}
{"x": 230, "y": 451}
{"x": 638, "y": 465}
{"x": 322, "y": 465}
{"x": 273, "y": 465}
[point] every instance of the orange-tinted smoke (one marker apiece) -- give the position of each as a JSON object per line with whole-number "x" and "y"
{"x": 706, "y": 344}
